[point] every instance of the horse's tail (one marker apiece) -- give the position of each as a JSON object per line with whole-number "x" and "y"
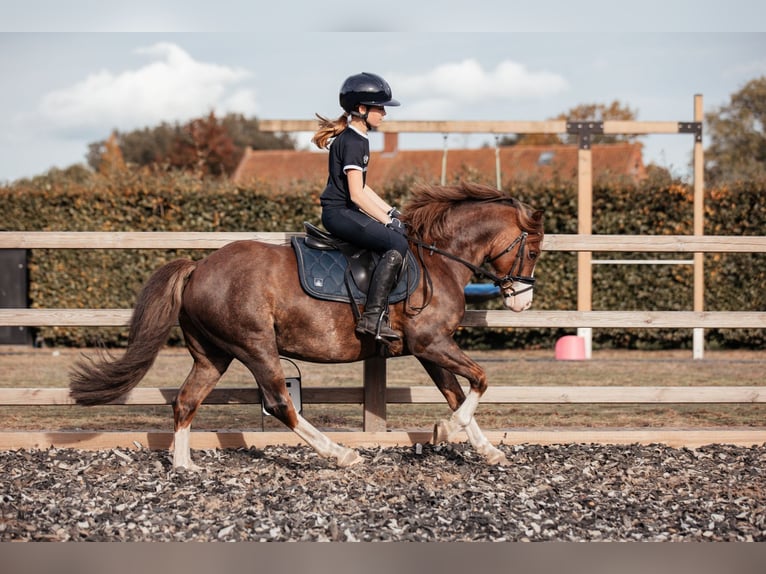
{"x": 96, "y": 382}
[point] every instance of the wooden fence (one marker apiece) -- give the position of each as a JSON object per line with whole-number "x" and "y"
{"x": 374, "y": 394}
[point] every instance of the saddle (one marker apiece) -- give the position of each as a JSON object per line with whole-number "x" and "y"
{"x": 335, "y": 270}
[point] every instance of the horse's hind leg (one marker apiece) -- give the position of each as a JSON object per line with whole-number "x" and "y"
{"x": 263, "y": 362}
{"x": 445, "y": 430}
{"x": 205, "y": 373}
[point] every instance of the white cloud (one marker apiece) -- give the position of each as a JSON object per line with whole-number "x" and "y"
{"x": 467, "y": 82}
{"x": 171, "y": 87}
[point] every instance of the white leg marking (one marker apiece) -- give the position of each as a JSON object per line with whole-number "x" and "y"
{"x": 482, "y": 445}
{"x": 465, "y": 412}
{"x": 324, "y": 446}
{"x": 182, "y": 451}
{"x": 463, "y": 419}
{"x": 446, "y": 430}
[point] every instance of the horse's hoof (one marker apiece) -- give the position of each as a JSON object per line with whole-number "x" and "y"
{"x": 497, "y": 457}
{"x": 442, "y": 432}
{"x": 349, "y": 458}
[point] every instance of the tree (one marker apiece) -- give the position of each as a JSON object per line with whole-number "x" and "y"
{"x": 111, "y": 158}
{"x": 204, "y": 147}
{"x": 175, "y": 145}
{"x": 737, "y": 133}
{"x": 246, "y": 132}
{"x": 142, "y": 147}
{"x": 582, "y": 112}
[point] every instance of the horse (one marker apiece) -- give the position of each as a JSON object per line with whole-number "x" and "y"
{"x": 244, "y": 301}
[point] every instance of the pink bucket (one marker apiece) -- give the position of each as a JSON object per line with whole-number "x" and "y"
{"x": 570, "y": 348}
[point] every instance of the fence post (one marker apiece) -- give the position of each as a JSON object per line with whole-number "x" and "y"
{"x": 14, "y": 287}
{"x": 585, "y": 131}
{"x": 374, "y": 395}
{"x": 698, "y": 335}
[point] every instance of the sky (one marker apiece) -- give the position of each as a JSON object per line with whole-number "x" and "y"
{"x": 72, "y": 72}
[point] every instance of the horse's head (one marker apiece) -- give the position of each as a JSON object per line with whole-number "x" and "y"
{"x": 515, "y": 255}
{"x": 504, "y": 231}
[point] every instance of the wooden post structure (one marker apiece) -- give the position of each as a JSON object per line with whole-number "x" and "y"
{"x": 698, "y": 337}
{"x": 585, "y": 131}
{"x": 374, "y": 395}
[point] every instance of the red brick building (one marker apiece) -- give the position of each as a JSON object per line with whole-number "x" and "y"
{"x": 516, "y": 163}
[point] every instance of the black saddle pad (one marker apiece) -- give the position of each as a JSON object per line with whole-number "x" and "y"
{"x": 322, "y": 274}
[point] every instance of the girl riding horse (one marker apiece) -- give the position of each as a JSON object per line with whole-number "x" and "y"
{"x": 351, "y": 209}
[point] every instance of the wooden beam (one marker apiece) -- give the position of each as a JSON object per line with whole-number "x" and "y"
{"x": 617, "y": 319}
{"x": 699, "y": 211}
{"x": 65, "y": 317}
{"x": 427, "y": 126}
{"x": 164, "y": 396}
{"x": 592, "y": 395}
{"x": 584, "y": 225}
{"x": 374, "y": 419}
{"x": 214, "y": 240}
{"x": 133, "y": 240}
{"x": 633, "y": 127}
{"x": 421, "y": 395}
{"x": 656, "y": 243}
{"x": 489, "y": 127}
{"x": 472, "y": 318}
{"x": 673, "y": 437}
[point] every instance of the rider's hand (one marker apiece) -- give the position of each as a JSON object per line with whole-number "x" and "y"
{"x": 397, "y": 226}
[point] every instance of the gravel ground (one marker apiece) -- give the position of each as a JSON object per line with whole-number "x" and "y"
{"x": 426, "y": 493}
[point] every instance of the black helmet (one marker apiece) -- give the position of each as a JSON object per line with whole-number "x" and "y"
{"x": 367, "y": 89}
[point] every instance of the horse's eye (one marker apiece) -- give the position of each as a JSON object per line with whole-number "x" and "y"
{"x": 533, "y": 254}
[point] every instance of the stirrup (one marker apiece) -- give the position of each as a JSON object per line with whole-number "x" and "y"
{"x": 387, "y": 336}
{"x": 380, "y": 331}
{"x": 383, "y": 332}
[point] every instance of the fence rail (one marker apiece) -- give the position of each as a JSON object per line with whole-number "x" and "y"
{"x": 536, "y": 319}
{"x": 420, "y": 395}
{"x": 215, "y": 240}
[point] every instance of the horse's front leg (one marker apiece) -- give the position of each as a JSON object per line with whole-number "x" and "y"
{"x": 464, "y": 409}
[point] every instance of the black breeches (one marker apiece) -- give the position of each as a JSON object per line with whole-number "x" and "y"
{"x": 360, "y": 229}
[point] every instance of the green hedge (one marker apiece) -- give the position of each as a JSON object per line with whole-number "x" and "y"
{"x": 733, "y": 282}
{"x": 144, "y": 201}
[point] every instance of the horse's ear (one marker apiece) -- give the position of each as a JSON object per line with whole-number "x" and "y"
{"x": 537, "y": 214}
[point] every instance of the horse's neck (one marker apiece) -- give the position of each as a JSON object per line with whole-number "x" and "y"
{"x": 470, "y": 243}
{"x": 473, "y": 236}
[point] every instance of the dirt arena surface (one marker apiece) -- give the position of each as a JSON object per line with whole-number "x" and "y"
{"x": 432, "y": 493}
{"x": 569, "y": 492}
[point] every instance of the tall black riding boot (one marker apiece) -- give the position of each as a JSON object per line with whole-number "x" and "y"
{"x": 373, "y": 320}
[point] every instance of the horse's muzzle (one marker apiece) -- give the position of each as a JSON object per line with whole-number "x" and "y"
{"x": 519, "y": 296}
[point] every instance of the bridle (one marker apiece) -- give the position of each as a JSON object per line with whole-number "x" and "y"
{"x": 505, "y": 283}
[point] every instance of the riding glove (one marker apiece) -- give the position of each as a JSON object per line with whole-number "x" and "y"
{"x": 397, "y": 226}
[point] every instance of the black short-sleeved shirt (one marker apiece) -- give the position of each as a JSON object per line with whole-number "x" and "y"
{"x": 349, "y": 150}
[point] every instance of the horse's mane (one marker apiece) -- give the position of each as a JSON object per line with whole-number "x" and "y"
{"x": 427, "y": 209}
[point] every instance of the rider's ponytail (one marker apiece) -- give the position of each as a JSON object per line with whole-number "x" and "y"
{"x": 328, "y": 129}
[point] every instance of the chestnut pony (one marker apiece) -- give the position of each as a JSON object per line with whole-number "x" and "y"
{"x": 244, "y": 301}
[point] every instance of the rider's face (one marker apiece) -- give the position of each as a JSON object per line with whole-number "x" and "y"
{"x": 375, "y": 115}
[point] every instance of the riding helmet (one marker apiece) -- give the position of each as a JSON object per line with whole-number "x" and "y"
{"x": 365, "y": 89}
